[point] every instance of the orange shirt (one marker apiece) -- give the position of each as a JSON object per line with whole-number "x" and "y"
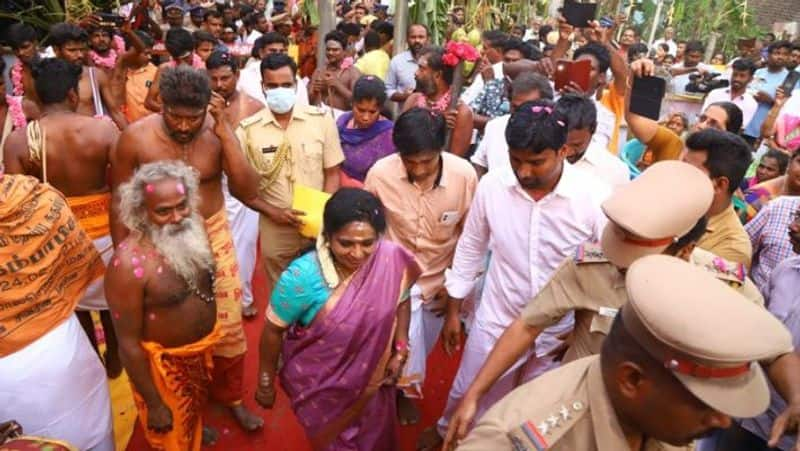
{"x": 427, "y": 223}
{"x": 137, "y": 84}
{"x": 615, "y": 102}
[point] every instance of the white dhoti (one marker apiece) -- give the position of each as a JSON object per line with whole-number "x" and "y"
{"x": 95, "y": 297}
{"x": 423, "y": 333}
{"x": 244, "y": 228}
{"x": 56, "y": 388}
{"x": 480, "y": 343}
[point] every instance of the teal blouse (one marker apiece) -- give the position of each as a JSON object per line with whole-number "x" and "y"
{"x": 300, "y": 292}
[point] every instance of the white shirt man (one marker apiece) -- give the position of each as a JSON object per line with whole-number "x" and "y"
{"x": 492, "y": 153}
{"x": 746, "y": 102}
{"x": 528, "y": 240}
{"x": 250, "y": 84}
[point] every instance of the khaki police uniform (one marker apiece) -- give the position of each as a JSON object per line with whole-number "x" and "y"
{"x": 594, "y": 289}
{"x": 300, "y": 154}
{"x": 673, "y": 314}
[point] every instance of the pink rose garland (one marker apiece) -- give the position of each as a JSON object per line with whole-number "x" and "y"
{"x": 16, "y": 79}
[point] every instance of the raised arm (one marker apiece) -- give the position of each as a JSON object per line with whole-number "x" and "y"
{"x": 642, "y": 128}
{"x": 111, "y": 101}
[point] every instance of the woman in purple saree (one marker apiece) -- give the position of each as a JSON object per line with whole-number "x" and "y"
{"x": 345, "y": 310}
{"x": 366, "y": 136}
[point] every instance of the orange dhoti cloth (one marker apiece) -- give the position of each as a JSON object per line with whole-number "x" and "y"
{"x": 229, "y": 352}
{"x": 92, "y": 213}
{"x": 182, "y": 377}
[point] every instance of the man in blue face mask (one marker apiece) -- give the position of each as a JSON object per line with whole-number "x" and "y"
{"x": 288, "y": 144}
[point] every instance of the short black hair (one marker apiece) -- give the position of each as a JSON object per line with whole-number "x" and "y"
{"x": 544, "y": 30}
{"x": 419, "y": 130}
{"x": 435, "y": 62}
{"x": 20, "y": 33}
{"x": 533, "y": 127}
{"x": 664, "y": 46}
{"x": 780, "y": 157}
{"x": 599, "y": 52}
{"x": 727, "y": 154}
{"x": 777, "y": 45}
{"x": 349, "y": 29}
{"x": 201, "y": 36}
{"x": 350, "y": 205}
{"x": 143, "y": 36}
{"x": 54, "y": 78}
{"x": 530, "y": 51}
{"x": 337, "y": 36}
{"x": 636, "y": 49}
{"x": 215, "y": 13}
{"x": 692, "y": 236}
{"x": 529, "y": 82}
{"x": 219, "y": 58}
{"x": 734, "y": 113}
{"x": 184, "y": 86}
{"x": 178, "y": 42}
{"x": 577, "y": 111}
{"x": 62, "y": 33}
{"x": 372, "y": 40}
{"x": 275, "y": 61}
{"x": 514, "y": 44}
{"x": 273, "y": 37}
{"x": 383, "y": 27}
{"x": 695, "y": 46}
{"x": 495, "y": 38}
{"x": 369, "y": 87}
{"x": 744, "y": 64}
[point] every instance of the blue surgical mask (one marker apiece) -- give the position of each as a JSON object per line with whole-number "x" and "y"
{"x": 281, "y": 100}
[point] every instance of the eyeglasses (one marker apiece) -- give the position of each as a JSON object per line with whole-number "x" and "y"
{"x": 702, "y": 118}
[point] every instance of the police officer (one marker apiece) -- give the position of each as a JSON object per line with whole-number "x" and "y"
{"x": 651, "y": 215}
{"x": 288, "y": 145}
{"x": 672, "y": 369}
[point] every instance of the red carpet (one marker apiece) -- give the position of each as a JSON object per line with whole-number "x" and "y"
{"x": 281, "y": 431}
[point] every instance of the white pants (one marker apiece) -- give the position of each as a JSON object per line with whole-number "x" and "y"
{"x": 423, "y": 333}
{"x": 56, "y": 388}
{"x": 95, "y": 297}
{"x": 244, "y": 228}
{"x": 480, "y": 343}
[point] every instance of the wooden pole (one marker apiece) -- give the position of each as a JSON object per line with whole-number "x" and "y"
{"x": 455, "y": 93}
{"x": 326, "y": 25}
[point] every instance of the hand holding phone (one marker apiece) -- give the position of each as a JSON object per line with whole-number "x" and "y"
{"x": 646, "y": 96}
{"x": 579, "y": 14}
{"x": 577, "y": 72}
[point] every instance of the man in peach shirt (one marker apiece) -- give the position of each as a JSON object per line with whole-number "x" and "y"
{"x": 426, "y": 193}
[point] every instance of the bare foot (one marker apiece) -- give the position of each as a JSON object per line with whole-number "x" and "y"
{"x": 250, "y": 312}
{"x": 247, "y": 420}
{"x": 407, "y": 411}
{"x": 429, "y": 440}
{"x": 210, "y": 436}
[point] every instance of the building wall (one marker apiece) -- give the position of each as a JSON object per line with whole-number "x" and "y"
{"x": 769, "y": 11}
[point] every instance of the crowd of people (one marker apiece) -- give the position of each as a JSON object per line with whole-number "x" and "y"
{"x": 622, "y": 281}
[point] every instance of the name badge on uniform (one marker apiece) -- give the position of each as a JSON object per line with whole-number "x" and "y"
{"x": 608, "y": 312}
{"x": 269, "y": 149}
{"x": 450, "y": 218}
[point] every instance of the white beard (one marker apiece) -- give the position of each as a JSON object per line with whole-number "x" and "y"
{"x": 184, "y": 247}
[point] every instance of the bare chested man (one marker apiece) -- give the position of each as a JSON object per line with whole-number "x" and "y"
{"x": 333, "y": 84}
{"x": 70, "y": 151}
{"x": 224, "y": 74}
{"x": 96, "y": 99}
{"x": 160, "y": 287}
{"x": 185, "y": 131}
{"x": 24, "y": 42}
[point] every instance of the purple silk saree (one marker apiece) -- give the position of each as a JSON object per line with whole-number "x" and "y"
{"x": 333, "y": 368}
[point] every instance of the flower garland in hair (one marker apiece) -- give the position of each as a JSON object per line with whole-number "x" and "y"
{"x": 16, "y": 112}
{"x": 455, "y": 52}
{"x": 16, "y": 79}
{"x": 109, "y": 61}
